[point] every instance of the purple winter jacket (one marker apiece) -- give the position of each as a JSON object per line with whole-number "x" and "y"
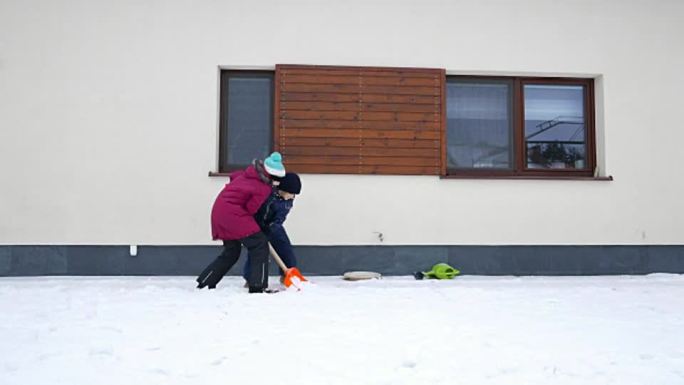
{"x": 232, "y": 216}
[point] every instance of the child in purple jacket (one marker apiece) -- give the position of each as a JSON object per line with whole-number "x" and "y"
{"x": 232, "y": 221}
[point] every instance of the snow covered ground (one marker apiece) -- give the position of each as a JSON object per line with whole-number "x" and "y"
{"x": 472, "y": 330}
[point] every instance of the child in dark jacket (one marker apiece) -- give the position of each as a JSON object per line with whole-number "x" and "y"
{"x": 271, "y": 217}
{"x": 232, "y": 221}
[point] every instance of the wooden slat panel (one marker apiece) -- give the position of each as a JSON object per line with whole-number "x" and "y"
{"x": 399, "y": 161}
{"x": 291, "y": 151}
{"x": 384, "y": 170}
{"x": 319, "y": 115}
{"x": 355, "y": 89}
{"x": 400, "y": 134}
{"x": 324, "y": 169}
{"x": 321, "y": 106}
{"x": 358, "y": 106}
{"x": 400, "y": 152}
{"x": 365, "y": 80}
{"x": 319, "y": 97}
{"x": 361, "y": 116}
{"x": 400, "y": 143}
{"x": 360, "y": 150}
{"x": 321, "y": 133}
{"x": 399, "y": 170}
{"x": 377, "y": 143}
{"x": 290, "y": 141}
{"x": 370, "y": 98}
{"x": 368, "y": 71}
{"x": 400, "y": 116}
{"x": 350, "y": 124}
{"x": 406, "y": 80}
{"x": 359, "y": 160}
{"x": 335, "y": 133}
{"x": 443, "y": 140}
{"x": 360, "y": 120}
{"x": 387, "y": 98}
{"x": 321, "y": 160}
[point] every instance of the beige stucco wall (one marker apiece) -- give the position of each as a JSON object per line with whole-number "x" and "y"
{"x": 108, "y": 117}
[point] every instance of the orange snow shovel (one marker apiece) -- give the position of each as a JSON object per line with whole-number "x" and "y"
{"x": 290, "y": 272}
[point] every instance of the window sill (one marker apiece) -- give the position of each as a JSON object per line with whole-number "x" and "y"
{"x": 530, "y": 177}
{"x": 216, "y": 173}
{"x": 521, "y": 177}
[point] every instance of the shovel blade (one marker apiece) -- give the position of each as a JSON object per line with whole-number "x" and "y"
{"x": 292, "y": 272}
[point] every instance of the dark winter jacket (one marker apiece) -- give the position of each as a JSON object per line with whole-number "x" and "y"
{"x": 270, "y": 218}
{"x": 232, "y": 216}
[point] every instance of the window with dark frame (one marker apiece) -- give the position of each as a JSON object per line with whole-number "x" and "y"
{"x": 519, "y": 127}
{"x": 490, "y": 127}
{"x": 246, "y": 118}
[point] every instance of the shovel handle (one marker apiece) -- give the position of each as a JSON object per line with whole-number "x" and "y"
{"x": 276, "y": 258}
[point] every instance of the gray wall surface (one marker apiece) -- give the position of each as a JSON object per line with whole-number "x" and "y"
{"x": 335, "y": 260}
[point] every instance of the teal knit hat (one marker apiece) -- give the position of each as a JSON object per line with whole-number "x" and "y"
{"x": 274, "y": 165}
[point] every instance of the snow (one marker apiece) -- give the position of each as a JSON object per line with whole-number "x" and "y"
{"x": 472, "y": 330}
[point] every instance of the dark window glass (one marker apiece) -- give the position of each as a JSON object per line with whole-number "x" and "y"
{"x": 246, "y": 117}
{"x": 555, "y": 126}
{"x": 479, "y": 125}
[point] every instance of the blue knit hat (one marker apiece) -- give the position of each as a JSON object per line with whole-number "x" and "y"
{"x": 274, "y": 165}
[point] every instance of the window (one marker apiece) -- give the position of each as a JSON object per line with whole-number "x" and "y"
{"x": 519, "y": 126}
{"x": 246, "y": 118}
{"x": 407, "y": 121}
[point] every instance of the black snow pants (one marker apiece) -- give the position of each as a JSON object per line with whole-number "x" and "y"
{"x": 257, "y": 247}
